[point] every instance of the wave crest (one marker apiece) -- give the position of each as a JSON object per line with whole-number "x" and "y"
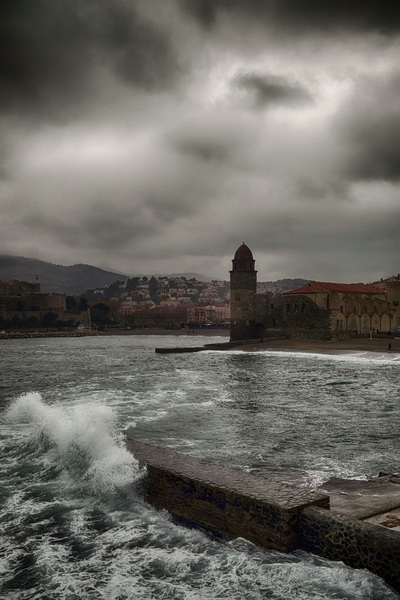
{"x": 84, "y": 439}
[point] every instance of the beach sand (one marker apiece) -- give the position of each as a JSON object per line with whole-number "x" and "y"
{"x": 376, "y": 345}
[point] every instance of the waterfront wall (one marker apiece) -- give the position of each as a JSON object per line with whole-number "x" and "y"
{"x": 263, "y": 510}
{"x": 217, "y": 346}
{"x": 357, "y": 543}
{"x": 227, "y": 502}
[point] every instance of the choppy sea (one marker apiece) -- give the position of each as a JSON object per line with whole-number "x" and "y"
{"x": 73, "y": 523}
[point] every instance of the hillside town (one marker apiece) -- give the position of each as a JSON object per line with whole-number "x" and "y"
{"x": 166, "y": 302}
{"x": 177, "y": 302}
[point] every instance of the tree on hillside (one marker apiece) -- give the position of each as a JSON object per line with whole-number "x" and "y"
{"x": 132, "y": 284}
{"x": 153, "y": 290}
{"x": 101, "y": 315}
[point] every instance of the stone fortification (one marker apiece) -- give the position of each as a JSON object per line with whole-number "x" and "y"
{"x": 227, "y": 502}
{"x": 264, "y": 510}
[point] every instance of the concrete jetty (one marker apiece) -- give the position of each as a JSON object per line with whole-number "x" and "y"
{"x": 350, "y": 522}
{"x": 215, "y": 346}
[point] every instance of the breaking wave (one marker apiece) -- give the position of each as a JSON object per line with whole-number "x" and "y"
{"x": 83, "y": 442}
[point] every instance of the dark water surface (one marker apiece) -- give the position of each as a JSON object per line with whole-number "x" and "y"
{"x": 73, "y": 522}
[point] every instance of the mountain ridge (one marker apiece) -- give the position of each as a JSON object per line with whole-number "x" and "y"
{"x": 73, "y": 280}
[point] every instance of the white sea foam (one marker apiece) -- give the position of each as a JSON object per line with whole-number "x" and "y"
{"x": 340, "y": 356}
{"x": 85, "y": 438}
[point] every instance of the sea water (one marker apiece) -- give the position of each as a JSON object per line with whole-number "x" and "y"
{"x": 73, "y": 521}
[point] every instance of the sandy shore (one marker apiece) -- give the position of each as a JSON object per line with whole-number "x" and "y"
{"x": 378, "y": 345}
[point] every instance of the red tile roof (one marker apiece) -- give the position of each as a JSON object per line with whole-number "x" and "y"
{"x": 324, "y": 287}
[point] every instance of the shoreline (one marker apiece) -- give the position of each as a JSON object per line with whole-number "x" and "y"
{"x": 19, "y": 335}
{"x": 376, "y": 345}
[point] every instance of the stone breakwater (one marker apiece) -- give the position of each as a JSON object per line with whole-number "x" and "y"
{"x": 264, "y": 510}
{"x": 17, "y": 335}
{"x": 225, "y": 501}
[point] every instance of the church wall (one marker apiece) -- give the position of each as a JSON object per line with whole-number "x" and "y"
{"x": 393, "y": 296}
{"x": 297, "y": 317}
{"x": 359, "y": 313}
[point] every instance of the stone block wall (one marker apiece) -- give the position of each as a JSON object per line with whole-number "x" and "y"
{"x": 297, "y": 317}
{"x": 228, "y": 502}
{"x": 221, "y": 511}
{"x": 358, "y": 544}
{"x": 264, "y": 510}
{"x": 242, "y": 300}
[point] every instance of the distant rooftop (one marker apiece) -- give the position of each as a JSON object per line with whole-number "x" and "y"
{"x": 321, "y": 287}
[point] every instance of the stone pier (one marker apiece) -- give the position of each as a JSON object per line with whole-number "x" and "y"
{"x": 277, "y": 515}
{"x": 227, "y": 502}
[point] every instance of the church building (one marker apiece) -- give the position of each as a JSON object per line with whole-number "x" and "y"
{"x": 315, "y": 311}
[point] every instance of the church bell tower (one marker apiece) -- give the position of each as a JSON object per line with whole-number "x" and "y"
{"x": 243, "y": 279}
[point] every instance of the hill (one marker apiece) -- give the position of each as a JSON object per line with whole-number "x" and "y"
{"x": 78, "y": 279}
{"x": 73, "y": 280}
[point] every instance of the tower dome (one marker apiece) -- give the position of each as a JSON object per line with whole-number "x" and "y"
{"x": 243, "y": 253}
{"x": 243, "y": 259}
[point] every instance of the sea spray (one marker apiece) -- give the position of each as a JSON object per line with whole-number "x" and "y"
{"x": 61, "y": 539}
{"x": 83, "y": 439}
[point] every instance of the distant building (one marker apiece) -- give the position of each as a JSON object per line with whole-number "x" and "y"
{"x": 165, "y": 318}
{"x": 21, "y": 296}
{"x": 14, "y": 287}
{"x": 21, "y": 301}
{"x": 204, "y": 313}
{"x": 325, "y": 310}
{"x": 317, "y": 310}
{"x": 391, "y": 286}
{"x": 243, "y": 279}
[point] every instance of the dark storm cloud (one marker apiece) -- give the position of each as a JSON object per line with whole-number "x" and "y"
{"x": 369, "y": 124}
{"x": 303, "y": 16}
{"x": 127, "y": 140}
{"x": 50, "y": 52}
{"x": 202, "y": 149}
{"x": 203, "y": 141}
{"x": 271, "y": 89}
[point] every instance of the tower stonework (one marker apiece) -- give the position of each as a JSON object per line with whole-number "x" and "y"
{"x": 243, "y": 280}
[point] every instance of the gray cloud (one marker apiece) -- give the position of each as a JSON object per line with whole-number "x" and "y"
{"x": 302, "y": 17}
{"x": 53, "y": 54}
{"x": 369, "y": 123}
{"x": 267, "y": 90}
{"x": 127, "y": 141}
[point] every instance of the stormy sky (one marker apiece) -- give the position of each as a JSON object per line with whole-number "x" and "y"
{"x": 155, "y": 136}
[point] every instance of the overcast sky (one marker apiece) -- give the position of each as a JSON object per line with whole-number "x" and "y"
{"x": 155, "y": 136}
